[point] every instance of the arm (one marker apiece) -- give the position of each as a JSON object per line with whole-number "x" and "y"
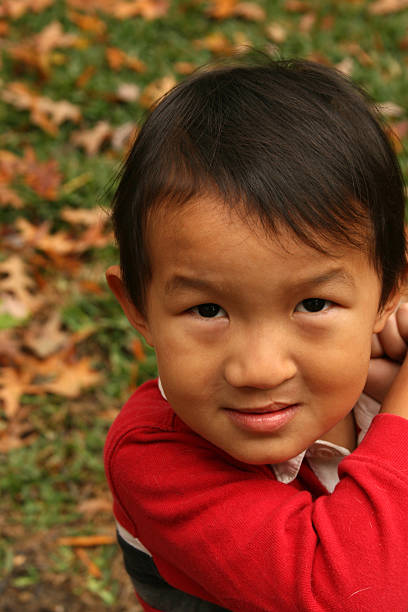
{"x": 233, "y": 535}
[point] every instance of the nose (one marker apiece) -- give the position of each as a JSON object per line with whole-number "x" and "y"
{"x": 260, "y": 360}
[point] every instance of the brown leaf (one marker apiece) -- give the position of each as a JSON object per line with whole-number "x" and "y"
{"x": 118, "y": 59}
{"x": 307, "y": 22}
{"x": 39, "y": 237}
{"x": 92, "y": 568}
{"x": 184, "y": 67}
{"x": 17, "y": 283}
{"x": 149, "y": 9}
{"x": 88, "y": 23}
{"x": 43, "y": 177}
{"x": 45, "y": 113}
{"x": 36, "y": 50}
{"x": 8, "y": 197}
{"x": 297, "y": 6}
{"x": 46, "y": 337}
{"x": 91, "y": 507}
{"x": 215, "y": 42}
{"x": 155, "y": 90}
{"x": 92, "y": 140}
{"x": 62, "y": 378}
{"x": 250, "y": 11}
{"x": 128, "y": 92}
{"x": 87, "y": 541}
{"x": 17, "y": 8}
{"x": 276, "y": 32}
{"x": 12, "y": 387}
{"x": 385, "y": 7}
{"x": 123, "y": 136}
{"x": 221, "y": 9}
{"x": 85, "y": 216}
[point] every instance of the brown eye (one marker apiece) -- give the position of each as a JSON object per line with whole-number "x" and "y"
{"x": 208, "y": 310}
{"x": 313, "y": 305}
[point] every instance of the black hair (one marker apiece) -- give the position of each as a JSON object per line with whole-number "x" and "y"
{"x": 291, "y": 142}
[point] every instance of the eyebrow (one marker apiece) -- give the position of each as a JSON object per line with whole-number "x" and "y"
{"x": 186, "y": 282}
{"x": 181, "y": 282}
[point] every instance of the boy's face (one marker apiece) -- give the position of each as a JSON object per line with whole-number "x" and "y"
{"x": 262, "y": 343}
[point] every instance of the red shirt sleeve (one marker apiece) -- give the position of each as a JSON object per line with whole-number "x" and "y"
{"x": 230, "y": 533}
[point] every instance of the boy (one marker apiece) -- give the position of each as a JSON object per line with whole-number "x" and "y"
{"x": 260, "y": 224}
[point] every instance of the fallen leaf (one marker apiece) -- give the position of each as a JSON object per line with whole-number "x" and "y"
{"x": 356, "y": 51}
{"x": 88, "y": 23}
{"x": 128, "y": 92}
{"x": 184, "y": 67}
{"x": 43, "y": 177}
{"x": 390, "y": 109}
{"x": 46, "y": 337}
{"x": 215, "y": 42}
{"x": 85, "y": 216}
{"x": 91, "y": 507}
{"x": 276, "y": 32}
{"x": 16, "y": 281}
{"x": 307, "y": 22}
{"x": 45, "y": 113}
{"x": 385, "y": 7}
{"x": 61, "y": 378}
{"x": 148, "y": 9}
{"x": 92, "y": 568}
{"x": 249, "y": 11}
{"x": 12, "y": 386}
{"x": 92, "y": 140}
{"x": 296, "y": 6}
{"x": 8, "y": 197}
{"x": 83, "y": 78}
{"x": 221, "y": 9}
{"x": 118, "y": 59}
{"x": 346, "y": 66}
{"x": 16, "y": 8}
{"x": 123, "y": 136}
{"x": 155, "y": 90}
{"x": 87, "y": 541}
{"x": 36, "y": 50}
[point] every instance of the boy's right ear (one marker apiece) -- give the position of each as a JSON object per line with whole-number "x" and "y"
{"x": 134, "y": 316}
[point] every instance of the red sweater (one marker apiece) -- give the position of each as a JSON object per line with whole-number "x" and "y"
{"x": 231, "y": 534}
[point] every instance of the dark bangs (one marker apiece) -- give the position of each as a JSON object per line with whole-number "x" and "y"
{"x": 290, "y": 143}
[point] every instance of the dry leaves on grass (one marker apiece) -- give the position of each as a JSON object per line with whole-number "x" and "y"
{"x": 386, "y": 7}
{"x": 36, "y": 51}
{"x": 46, "y": 113}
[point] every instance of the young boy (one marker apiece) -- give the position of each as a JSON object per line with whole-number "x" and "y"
{"x": 260, "y": 221}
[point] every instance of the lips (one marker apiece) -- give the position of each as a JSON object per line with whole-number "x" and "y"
{"x": 263, "y": 419}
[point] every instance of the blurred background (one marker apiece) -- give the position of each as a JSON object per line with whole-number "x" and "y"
{"x": 77, "y": 78}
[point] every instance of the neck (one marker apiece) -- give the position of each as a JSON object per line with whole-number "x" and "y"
{"x": 343, "y": 433}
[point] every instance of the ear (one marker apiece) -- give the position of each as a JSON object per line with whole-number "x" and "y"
{"x": 387, "y": 310}
{"x": 134, "y": 316}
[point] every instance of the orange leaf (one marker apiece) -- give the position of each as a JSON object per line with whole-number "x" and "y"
{"x": 385, "y": 7}
{"x": 88, "y": 23}
{"x": 87, "y": 541}
{"x": 92, "y": 140}
{"x": 155, "y": 90}
{"x": 92, "y": 568}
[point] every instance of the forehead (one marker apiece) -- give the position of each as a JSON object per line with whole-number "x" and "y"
{"x": 206, "y": 233}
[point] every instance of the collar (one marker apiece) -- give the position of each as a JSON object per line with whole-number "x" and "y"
{"x": 323, "y": 457}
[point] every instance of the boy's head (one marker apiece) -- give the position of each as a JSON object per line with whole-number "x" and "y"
{"x": 295, "y": 143}
{"x": 260, "y": 221}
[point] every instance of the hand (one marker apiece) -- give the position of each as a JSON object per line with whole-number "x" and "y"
{"x": 388, "y": 350}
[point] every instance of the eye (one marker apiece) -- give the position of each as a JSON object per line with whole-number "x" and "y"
{"x": 313, "y": 305}
{"x": 209, "y": 311}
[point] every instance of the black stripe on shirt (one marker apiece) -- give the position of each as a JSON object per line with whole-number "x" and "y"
{"x": 154, "y": 590}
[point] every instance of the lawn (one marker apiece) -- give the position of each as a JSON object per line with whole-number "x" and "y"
{"x": 77, "y": 78}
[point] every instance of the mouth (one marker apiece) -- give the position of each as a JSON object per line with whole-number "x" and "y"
{"x": 263, "y": 419}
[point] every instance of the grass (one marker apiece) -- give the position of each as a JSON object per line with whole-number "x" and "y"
{"x": 44, "y": 482}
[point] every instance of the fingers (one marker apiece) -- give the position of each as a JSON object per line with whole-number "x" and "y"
{"x": 376, "y": 347}
{"x": 402, "y": 321}
{"x": 381, "y": 374}
{"x": 392, "y": 337}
